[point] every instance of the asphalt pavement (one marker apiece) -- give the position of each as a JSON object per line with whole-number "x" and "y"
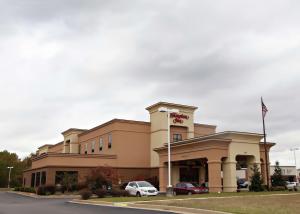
{"x": 11, "y": 203}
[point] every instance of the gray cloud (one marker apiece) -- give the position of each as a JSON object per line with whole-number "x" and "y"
{"x": 78, "y": 64}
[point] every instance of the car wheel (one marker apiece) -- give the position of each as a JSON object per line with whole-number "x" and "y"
{"x": 189, "y": 193}
{"x": 138, "y": 194}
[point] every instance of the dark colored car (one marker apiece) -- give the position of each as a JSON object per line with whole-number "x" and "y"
{"x": 186, "y": 188}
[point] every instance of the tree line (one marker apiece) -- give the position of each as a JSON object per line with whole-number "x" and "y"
{"x": 8, "y": 159}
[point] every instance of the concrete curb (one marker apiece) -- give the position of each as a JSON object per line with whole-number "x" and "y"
{"x": 161, "y": 208}
{"x": 35, "y": 196}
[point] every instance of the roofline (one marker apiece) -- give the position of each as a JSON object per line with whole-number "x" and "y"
{"x": 205, "y": 125}
{"x": 45, "y": 145}
{"x": 73, "y": 129}
{"x": 211, "y": 136}
{"x": 223, "y": 133}
{"x": 114, "y": 121}
{"x": 184, "y": 143}
{"x": 173, "y": 104}
{"x": 50, "y": 145}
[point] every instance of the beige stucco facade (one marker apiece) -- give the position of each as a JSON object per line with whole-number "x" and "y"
{"x": 138, "y": 149}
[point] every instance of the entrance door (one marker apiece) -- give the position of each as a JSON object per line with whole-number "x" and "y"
{"x": 188, "y": 174}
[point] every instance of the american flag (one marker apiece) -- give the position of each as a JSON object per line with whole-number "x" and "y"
{"x": 263, "y": 108}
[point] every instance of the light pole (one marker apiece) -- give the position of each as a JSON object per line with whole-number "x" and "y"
{"x": 9, "y": 167}
{"x": 164, "y": 109}
{"x": 294, "y": 150}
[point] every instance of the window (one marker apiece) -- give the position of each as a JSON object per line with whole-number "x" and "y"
{"x": 177, "y": 137}
{"x": 100, "y": 144}
{"x": 85, "y": 148}
{"x": 93, "y": 146}
{"x": 109, "y": 141}
{"x": 32, "y": 179}
{"x": 71, "y": 176}
{"x": 38, "y": 179}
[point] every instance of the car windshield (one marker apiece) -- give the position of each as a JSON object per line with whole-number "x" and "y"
{"x": 144, "y": 184}
{"x": 189, "y": 185}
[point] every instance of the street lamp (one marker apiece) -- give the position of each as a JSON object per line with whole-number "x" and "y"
{"x": 9, "y": 167}
{"x": 164, "y": 109}
{"x": 294, "y": 150}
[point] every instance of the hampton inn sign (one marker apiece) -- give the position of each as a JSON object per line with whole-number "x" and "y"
{"x": 178, "y": 118}
{"x": 138, "y": 149}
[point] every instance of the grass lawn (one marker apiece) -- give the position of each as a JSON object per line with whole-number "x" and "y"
{"x": 250, "y": 203}
{"x": 209, "y": 195}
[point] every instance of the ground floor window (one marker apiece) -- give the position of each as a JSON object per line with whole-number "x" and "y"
{"x": 38, "y": 179}
{"x": 67, "y": 179}
{"x": 43, "y": 179}
{"x": 32, "y": 179}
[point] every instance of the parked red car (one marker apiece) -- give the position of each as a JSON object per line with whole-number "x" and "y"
{"x": 186, "y": 188}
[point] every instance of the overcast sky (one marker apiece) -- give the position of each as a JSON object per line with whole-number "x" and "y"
{"x": 81, "y": 63}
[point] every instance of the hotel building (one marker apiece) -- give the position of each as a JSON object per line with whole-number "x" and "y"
{"x": 138, "y": 149}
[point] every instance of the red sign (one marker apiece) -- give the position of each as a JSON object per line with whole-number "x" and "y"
{"x": 178, "y": 118}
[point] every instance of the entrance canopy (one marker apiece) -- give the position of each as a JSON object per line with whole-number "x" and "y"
{"x": 219, "y": 151}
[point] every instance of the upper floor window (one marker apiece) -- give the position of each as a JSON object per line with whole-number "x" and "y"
{"x": 177, "y": 137}
{"x": 101, "y": 144}
{"x": 85, "y": 148}
{"x": 109, "y": 141}
{"x": 93, "y": 146}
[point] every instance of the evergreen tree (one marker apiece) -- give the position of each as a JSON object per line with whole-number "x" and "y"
{"x": 277, "y": 179}
{"x": 256, "y": 180}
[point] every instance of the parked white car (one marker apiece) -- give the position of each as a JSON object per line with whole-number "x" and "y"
{"x": 291, "y": 185}
{"x": 141, "y": 188}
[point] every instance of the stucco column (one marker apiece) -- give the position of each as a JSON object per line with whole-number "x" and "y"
{"x": 229, "y": 176}
{"x": 163, "y": 176}
{"x": 201, "y": 174}
{"x": 214, "y": 176}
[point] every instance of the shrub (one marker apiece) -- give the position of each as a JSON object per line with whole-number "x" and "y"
{"x": 50, "y": 189}
{"x": 278, "y": 188}
{"x": 85, "y": 194}
{"x": 102, "y": 177}
{"x": 119, "y": 193}
{"x": 41, "y": 190}
{"x": 81, "y": 186}
{"x": 28, "y": 189}
{"x": 17, "y": 188}
{"x": 101, "y": 193}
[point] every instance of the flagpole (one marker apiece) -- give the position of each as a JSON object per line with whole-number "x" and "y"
{"x": 265, "y": 145}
